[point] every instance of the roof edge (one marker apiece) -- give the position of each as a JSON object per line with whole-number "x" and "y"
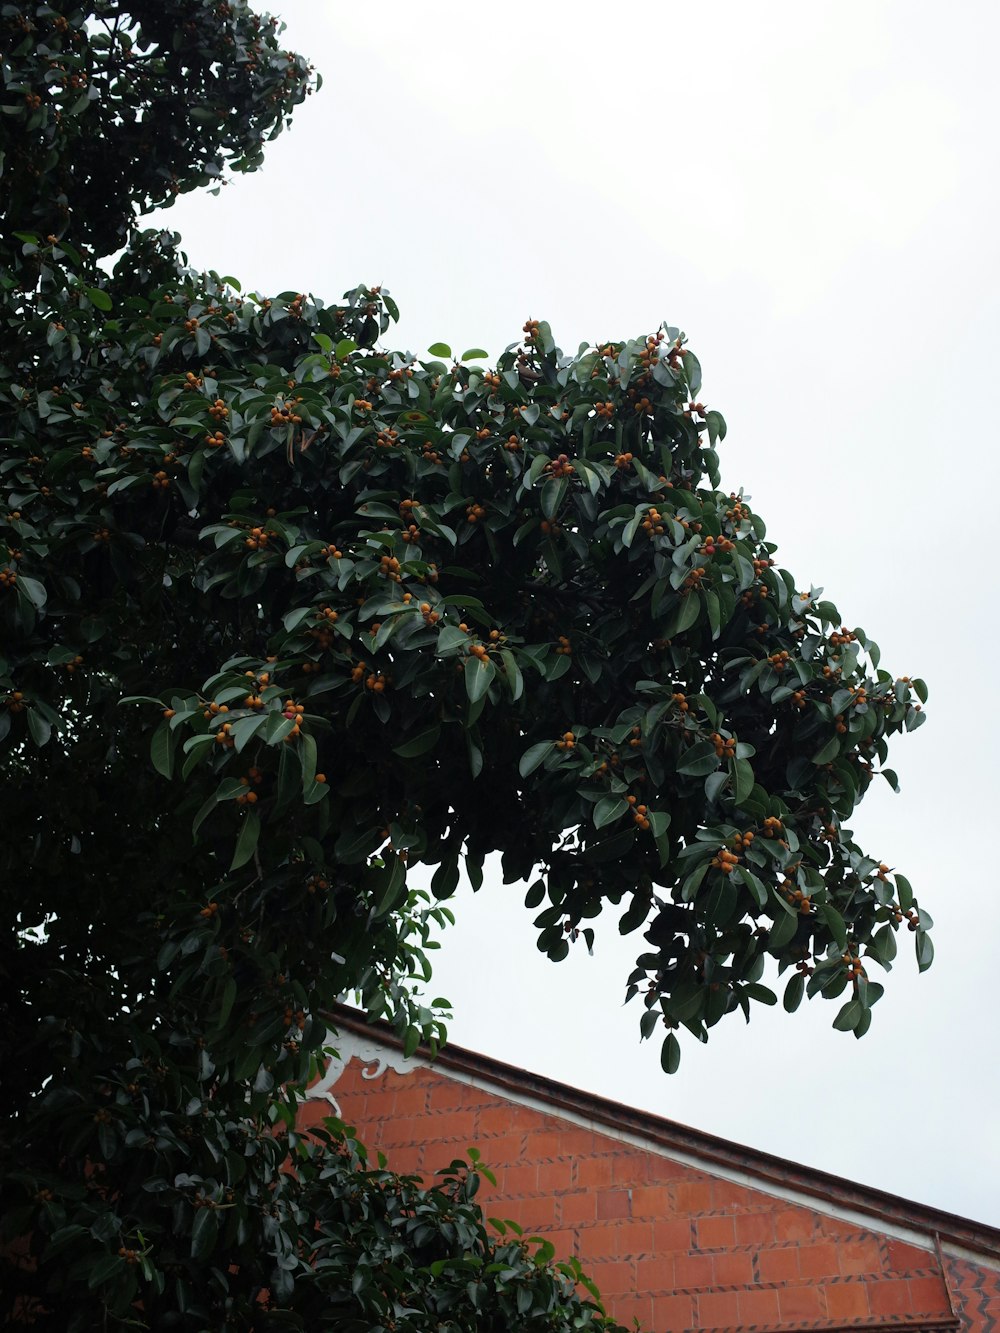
{"x": 670, "y": 1135}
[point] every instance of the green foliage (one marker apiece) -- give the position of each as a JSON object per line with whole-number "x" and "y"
{"x": 284, "y": 615}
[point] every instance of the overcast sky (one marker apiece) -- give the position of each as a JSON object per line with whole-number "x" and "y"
{"x": 810, "y": 191}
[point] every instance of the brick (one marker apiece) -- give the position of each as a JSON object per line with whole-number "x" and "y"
{"x": 718, "y": 1309}
{"x": 654, "y": 1274}
{"x": 651, "y": 1201}
{"x": 614, "y": 1277}
{"x": 794, "y": 1224}
{"x": 798, "y": 1303}
{"x": 713, "y": 1233}
{"x": 630, "y": 1169}
{"x": 613, "y": 1203}
{"x": 410, "y": 1101}
{"x": 554, "y": 1177}
{"x": 637, "y": 1307}
{"x": 453, "y": 1123}
{"x": 502, "y": 1150}
{"x": 664, "y": 1168}
{"x": 692, "y": 1196}
{"x": 518, "y": 1181}
{"x": 574, "y": 1208}
{"x": 546, "y": 1143}
{"x": 692, "y": 1270}
{"x": 847, "y": 1300}
{"x": 496, "y": 1119}
{"x": 671, "y": 1234}
{"x": 754, "y": 1228}
{"x": 904, "y": 1258}
{"x": 927, "y": 1295}
{"x": 729, "y": 1198}
{"x": 673, "y": 1312}
{"x": 859, "y": 1256}
{"x": 778, "y": 1265}
{"x": 890, "y": 1296}
{"x": 734, "y": 1269}
{"x": 566, "y": 1241}
{"x": 632, "y": 1238}
{"x": 757, "y": 1307}
{"x": 538, "y": 1214}
{"x": 594, "y": 1172}
{"x": 817, "y": 1261}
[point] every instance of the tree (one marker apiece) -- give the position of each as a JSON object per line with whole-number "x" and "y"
{"x": 285, "y": 615}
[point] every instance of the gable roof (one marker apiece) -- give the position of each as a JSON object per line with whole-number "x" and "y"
{"x": 837, "y": 1195}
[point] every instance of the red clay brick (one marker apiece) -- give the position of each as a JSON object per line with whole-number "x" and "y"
{"x": 496, "y": 1119}
{"x": 729, "y": 1198}
{"x": 904, "y": 1258}
{"x": 574, "y": 1208}
{"x": 794, "y": 1224}
{"x": 754, "y": 1228}
{"x": 566, "y": 1241}
{"x": 613, "y": 1203}
{"x": 779, "y": 1265}
{"x": 545, "y": 1143}
{"x": 504, "y": 1150}
{"x": 517, "y": 1181}
{"x": 654, "y": 1274}
{"x": 614, "y": 1277}
{"x": 847, "y": 1300}
{"x": 594, "y": 1172}
{"x": 797, "y": 1303}
{"x": 890, "y": 1296}
{"x": 734, "y": 1269}
{"x": 927, "y": 1296}
{"x": 718, "y": 1309}
{"x": 818, "y": 1260}
{"x": 410, "y": 1101}
{"x": 671, "y": 1234}
{"x": 692, "y": 1196}
{"x": 554, "y": 1177}
{"x": 758, "y": 1307}
{"x": 859, "y": 1256}
{"x": 714, "y": 1232}
{"x": 692, "y": 1270}
{"x": 631, "y": 1238}
{"x": 673, "y": 1312}
{"x": 538, "y": 1214}
{"x": 628, "y": 1308}
{"x": 457, "y": 1123}
{"x": 651, "y": 1201}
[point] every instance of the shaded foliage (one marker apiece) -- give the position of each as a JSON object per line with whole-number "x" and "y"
{"x": 284, "y": 615}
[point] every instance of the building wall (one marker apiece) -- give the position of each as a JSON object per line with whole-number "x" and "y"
{"x": 673, "y": 1245}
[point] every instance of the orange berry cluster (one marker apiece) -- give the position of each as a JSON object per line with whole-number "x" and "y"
{"x": 216, "y": 440}
{"x": 853, "y": 964}
{"x": 681, "y": 701}
{"x": 388, "y": 567}
{"x": 160, "y": 481}
{"x": 530, "y": 330}
{"x": 480, "y": 651}
{"x": 429, "y": 453}
{"x": 258, "y": 539}
{"x": 286, "y": 414}
{"x": 430, "y": 616}
{"x": 8, "y": 578}
{"x": 560, "y": 467}
{"x": 474, "y": 512}
{"x": 565, "y": 648}
{"x": 362, "y": 405}
{"x": 653, "y": 522}
{"x": 622, "y": 461}
{"x": 772, "y": 827}
{"x": 725, "y": 860}
{"x": 693, "y": 579}
{"x": 387, "y": 439}
{"x": 779, "y": 660}
{"x": 606, "y": 410}
{"x": 724, "y": 749}
{"x": 15, "y": 701}
{"x": 845, "y": 636}
{"x": 639, "y": 812}
{"x": 717, "y": 544}
{"x": 643, "y": 405}
{"x": 567, "y": 741}
{"x": 218, "y": 411}
{"x": 799, "y": 699}
{"x": 72, "y": 665}
{"x": 411, "y": 534}
{"x": 192, "y": 381}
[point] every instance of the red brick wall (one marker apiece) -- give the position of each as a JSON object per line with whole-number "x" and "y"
{"x": 669, "y": 1244}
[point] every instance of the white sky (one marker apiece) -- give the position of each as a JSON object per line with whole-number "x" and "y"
{"x": 810, "y": 190}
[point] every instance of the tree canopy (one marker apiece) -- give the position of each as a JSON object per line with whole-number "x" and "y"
{"x": 285, "y": 618}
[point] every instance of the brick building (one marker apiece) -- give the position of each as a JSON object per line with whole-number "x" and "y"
{"x": 679, "y": 1229}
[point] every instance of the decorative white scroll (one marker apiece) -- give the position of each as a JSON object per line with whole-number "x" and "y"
{"x": 375, "y": 1056}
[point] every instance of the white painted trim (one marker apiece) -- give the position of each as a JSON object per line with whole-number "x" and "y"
{"x": 370, "y": 1050}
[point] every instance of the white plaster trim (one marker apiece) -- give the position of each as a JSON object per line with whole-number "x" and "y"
{"x": 374, "y": 1056}
{"x": 370, "y": 1050}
